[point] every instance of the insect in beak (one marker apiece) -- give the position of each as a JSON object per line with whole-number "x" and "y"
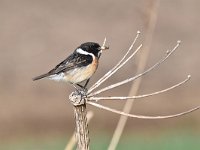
{"x": 104, "y": 47}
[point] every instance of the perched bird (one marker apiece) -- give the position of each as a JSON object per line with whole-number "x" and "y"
{"x": 77, "y": 67}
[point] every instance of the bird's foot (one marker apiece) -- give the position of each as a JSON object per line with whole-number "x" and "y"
{"x": 82, "y": 88}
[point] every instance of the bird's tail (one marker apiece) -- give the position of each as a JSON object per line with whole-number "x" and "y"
{"x": 41, "y": 76}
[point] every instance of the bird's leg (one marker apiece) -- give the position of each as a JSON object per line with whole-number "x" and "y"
{"x": 78, "y": 90}
{"x": 80, "y": 86}
{"x": 83, "y": 87}
{"x": 86, "y": 83}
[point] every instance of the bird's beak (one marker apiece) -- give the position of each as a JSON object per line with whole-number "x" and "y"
{"x": 104, "y": 47}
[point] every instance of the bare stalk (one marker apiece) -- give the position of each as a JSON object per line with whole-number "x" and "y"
{"x": 78, "y": 100}
{"x": 82, "y": 132}
{"x": 139, "y": 96}
{"x": 139, "y": 75}
{"x": 72, "y": 140}
{"x": 142, "y": 116}
{"x": 117, "y": 66}
{"x": 151, "y": 22}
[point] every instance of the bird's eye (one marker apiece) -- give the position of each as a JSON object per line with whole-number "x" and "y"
{"x": 99, "y": 48}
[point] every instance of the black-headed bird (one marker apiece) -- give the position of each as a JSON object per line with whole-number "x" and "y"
{"x": 77, "y": 67}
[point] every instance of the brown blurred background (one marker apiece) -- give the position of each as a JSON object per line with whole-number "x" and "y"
{"x": 36, "y": 35}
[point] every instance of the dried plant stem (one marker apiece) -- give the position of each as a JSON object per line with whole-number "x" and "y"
{"x": 70, "y": 145}
{"x": 117, "y": 66}
{"x": 82, "y": 132}
{"x": 139, "y": 96}
{"x": 143, "y": 59}
{"x": 137, "y": 76}
{"x": 142, "y": 116}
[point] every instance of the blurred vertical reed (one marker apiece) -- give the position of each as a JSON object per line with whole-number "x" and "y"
{"x": 150, "y": 20}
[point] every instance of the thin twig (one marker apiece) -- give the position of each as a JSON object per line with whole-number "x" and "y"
{"x": 142, "y": 116}
{"x": 137, "y": 76}
{"x": 104, "y": 42}
{"x": 139, "y": 96}
{"x": 116, "y": 67}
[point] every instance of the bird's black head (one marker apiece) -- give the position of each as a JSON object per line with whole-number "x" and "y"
{"x": 91, "y": 47}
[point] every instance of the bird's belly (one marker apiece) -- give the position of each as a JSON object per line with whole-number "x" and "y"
{"x": 80, "y": 74}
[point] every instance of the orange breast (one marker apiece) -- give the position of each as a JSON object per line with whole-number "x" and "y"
{"x": 81, "y": 74}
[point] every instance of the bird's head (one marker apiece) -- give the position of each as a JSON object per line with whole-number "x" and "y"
{"x": 91, "y": 47}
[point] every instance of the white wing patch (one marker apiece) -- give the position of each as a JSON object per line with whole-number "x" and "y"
{"x": 57, "y": 77}
{"x": 80, "y": 51}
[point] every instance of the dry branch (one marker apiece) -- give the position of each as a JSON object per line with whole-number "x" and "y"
{"x": 142, "y": 116}
{"x": 70, "y": 145}
{"x": 82, "y": 132}
{"x": 91, "y": 99}
{"x": 78, "y": 100}
{"x": 117, "y": 66}
{"x": 168, "y": 53}
{"x": 139, "y": 96}
{"x": 81, "y": 97}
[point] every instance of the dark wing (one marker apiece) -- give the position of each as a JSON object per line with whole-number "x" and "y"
{"x": 75, "y": 60}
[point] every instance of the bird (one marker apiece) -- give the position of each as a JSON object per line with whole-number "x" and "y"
{"x": 77, "y": 67}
